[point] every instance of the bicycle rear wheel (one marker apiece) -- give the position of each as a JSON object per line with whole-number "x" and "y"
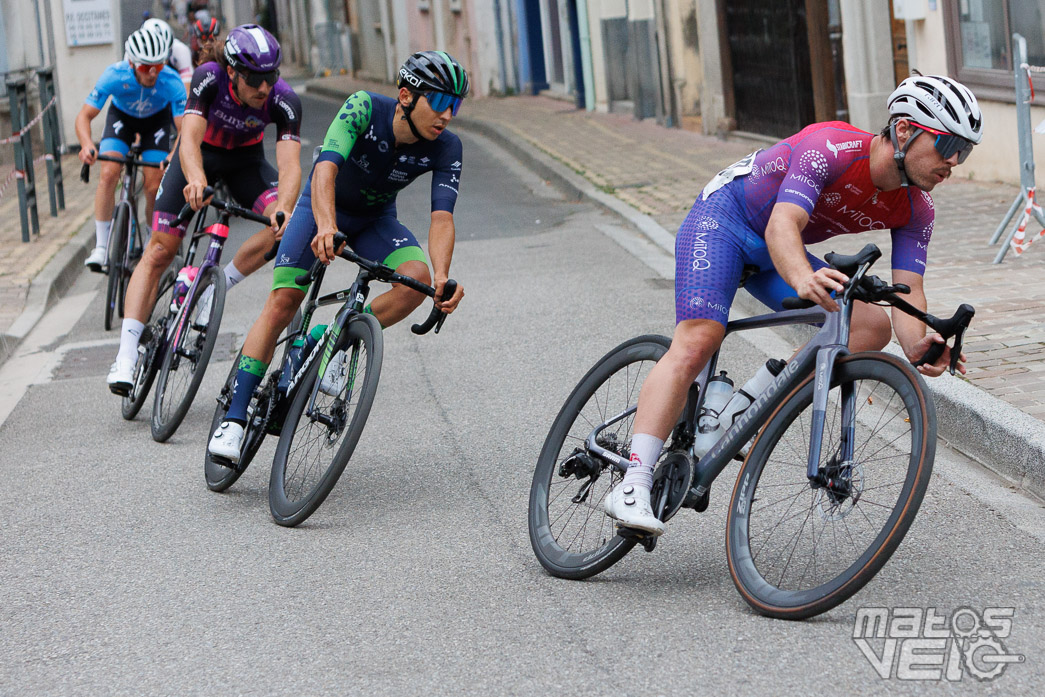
{"x": 117, "y": 257}
{"x": 318, "y": 438}
{"x": 796, "y": 551}
{"x": 186, "y": 360}
{"x": 569, "y": 532}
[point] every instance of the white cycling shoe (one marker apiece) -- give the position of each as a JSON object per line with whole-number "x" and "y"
{"x": 227, "y": 442}
{"x": 629, "y": 505}
{"x": 96, "y": 262}
{"x": 121, "y": 377}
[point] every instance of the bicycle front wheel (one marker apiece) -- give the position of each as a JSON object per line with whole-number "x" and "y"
{"x": 325, "y": 420}
{"x": 186, "y": 359}
{"x": 569, "y": 532}
{"x": 797, "y": 549}
{"x": 117, "y": 259}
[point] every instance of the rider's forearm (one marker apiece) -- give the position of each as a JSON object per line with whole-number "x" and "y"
{"x": 288, "y": 162}
{"x": 323, "y": 208}
{"x": 909, "y": 330}
{"x": 83, "y": 130}
{"x": 441, "y": 236}
{"x": 190, "y": 155}
{"x": 784, "y": 240}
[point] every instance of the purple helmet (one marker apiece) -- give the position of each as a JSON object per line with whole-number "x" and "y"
{"x": 250, "y": 47}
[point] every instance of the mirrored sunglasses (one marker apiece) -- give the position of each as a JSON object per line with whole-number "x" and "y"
{"x": 947, "y": 144}
{"x": 255, "y": 79}
{"x": 148, "y": 69}
{"x": 441, "y": 101}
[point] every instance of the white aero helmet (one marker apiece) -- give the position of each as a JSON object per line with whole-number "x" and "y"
{"x": 145, "y": 48}
{"x": 161, "y": 29}
{"x": 939, "y": 103}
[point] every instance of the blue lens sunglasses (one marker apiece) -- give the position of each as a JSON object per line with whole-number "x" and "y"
{"x": 947, "y": 143}
{"x": 441, "y": 101}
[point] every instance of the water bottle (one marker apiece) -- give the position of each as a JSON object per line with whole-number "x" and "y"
{"x": 746, "y": 395}
{"x": 716, "y": 395}
{"x": 181, "y": 285}
{"x": 299, "y": 351}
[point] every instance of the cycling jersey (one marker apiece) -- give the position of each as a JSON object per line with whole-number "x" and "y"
{"x": 181, "y": 60}
{"x": 232, "y": 124}
{"x": 130, "y": 97}
{"x": 825, "y": 170}
{"x": 372, "y": 170}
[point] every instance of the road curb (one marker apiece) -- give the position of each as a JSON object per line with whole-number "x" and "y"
{"x": 994, "y": 433}
{"x": 49, "y": 286}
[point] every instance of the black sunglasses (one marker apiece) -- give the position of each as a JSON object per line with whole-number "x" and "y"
{"x": 255, "y": 79}
{"x": 947, "y": 144}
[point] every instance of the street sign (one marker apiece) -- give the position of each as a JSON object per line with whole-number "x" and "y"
{"x": 88, "y": 22}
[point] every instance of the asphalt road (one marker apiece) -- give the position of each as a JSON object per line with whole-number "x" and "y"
{"x": 120, "y": 573}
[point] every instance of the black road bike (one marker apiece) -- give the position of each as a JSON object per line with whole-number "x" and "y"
{"x": 125, "y": 238}
{"x": 843, "y": 450}
{"x": 320, "y": 413}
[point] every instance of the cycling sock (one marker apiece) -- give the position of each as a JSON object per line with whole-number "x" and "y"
{"x": 249, "y": 374}
{"x": 129, "y": 335}
{"x": 232, "y": 275}
{"x": 101, "y": 232}
{"x": 645, "y": 449}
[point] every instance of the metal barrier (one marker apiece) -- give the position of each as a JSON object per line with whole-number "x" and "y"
{"x": 1017, "y": 239}
{"x": 21, "y": 131}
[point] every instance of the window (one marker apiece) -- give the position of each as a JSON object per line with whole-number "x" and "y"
{"x": 979, "y": 47}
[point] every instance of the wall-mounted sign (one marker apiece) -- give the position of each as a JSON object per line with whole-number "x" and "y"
{"x": 88, "y": 22}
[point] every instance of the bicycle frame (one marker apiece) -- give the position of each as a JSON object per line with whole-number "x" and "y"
{"x": 820, "y": 353}
{"x": 219, "y": 233}
{"x": 128, "y": 177}
{"x": 353, "y": 298}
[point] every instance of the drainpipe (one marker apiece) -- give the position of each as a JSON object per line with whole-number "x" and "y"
{"x": 583, "y": 28}
{"x": 499, "y": 36}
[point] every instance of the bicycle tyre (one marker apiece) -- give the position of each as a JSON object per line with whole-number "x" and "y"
{"x": 289, "y": 503}
{"x": 591, "y": 403}
{"x": 170, "y": 407}
{"x": 117, "y": 253}
{"x": 892, "y": 400}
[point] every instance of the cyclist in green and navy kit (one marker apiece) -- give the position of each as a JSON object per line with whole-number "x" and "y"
{"x": 373, "y": 149}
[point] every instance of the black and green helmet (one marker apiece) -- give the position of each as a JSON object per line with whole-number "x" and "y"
{"x": 433, "y": 71}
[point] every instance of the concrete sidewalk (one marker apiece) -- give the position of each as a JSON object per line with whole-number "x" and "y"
{"x": 34, "y": 274}
{"x": 651, "y": 176}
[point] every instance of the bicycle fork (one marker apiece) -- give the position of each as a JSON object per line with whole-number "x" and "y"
{"x": 832, "y": 474}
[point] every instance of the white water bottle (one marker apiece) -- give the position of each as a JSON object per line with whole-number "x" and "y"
{"x": 717, "y": 394}
{"x": 746, "y": 395}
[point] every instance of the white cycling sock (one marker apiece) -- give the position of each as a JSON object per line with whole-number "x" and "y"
{"x": 645, "y": 449}
{"x": 232, "y": 275}
{"x": 129, "y": 335}
{"x": 101, "y": 232}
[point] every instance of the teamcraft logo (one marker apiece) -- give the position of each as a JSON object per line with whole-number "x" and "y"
{"x": 913, "y": 643}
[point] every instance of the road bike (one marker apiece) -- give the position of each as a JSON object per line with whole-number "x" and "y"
{"x": 195, "y": 319}
{"x": 321, "y": 407}
{"x": 125, "y": 237}
{"x": 842, "y": 453}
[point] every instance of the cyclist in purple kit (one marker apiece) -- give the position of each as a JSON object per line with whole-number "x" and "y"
{"x": 829, "y": 179}
{"x": 230, "y": 103}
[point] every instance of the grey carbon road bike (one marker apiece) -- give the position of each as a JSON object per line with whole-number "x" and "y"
{"x": 125, "y": 237}
{"x": 843, "y": 450}
{"x": 318, "y": 426}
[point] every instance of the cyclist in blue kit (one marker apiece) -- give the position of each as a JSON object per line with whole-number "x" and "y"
{"x": 373, "y": 149}
{"x": 146, "y": 95}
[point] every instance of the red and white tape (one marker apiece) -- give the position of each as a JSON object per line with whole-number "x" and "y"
{"x": 36, "y": 119}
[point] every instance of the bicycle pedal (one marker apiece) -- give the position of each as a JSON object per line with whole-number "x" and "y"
{"x": 647, "y": 540}
{"x": 698, "y": 503}
{"x": 225, "y": 462}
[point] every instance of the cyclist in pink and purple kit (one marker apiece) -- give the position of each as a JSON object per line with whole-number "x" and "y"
{"x": 757, "y": 216}
{"x": 230, "y": 103}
